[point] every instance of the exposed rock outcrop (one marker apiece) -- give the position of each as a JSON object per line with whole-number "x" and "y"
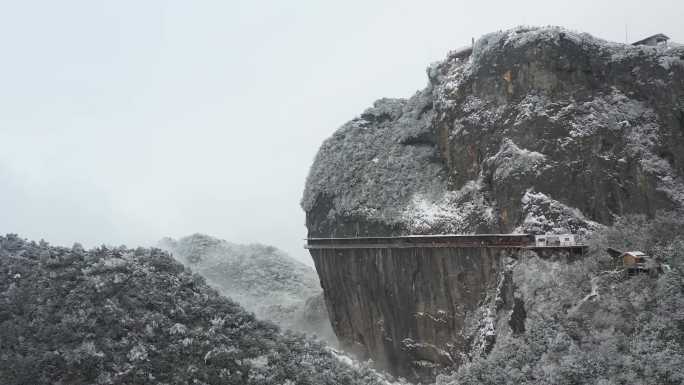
{"x": 416, "y": 311}
{"x": 588, "y": 128}
{"x": 533, "y": 130}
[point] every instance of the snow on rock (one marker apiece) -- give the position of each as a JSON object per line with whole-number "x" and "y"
{"x": 544, "y": 215}
{"x": 533, "y": 130}
{"x": 532, "y": 106}
{"x": 594, "y": 124}
{"x": 512, "y": 160}
{"x": 454, "y": 212}
{"x": 374, "y": 164}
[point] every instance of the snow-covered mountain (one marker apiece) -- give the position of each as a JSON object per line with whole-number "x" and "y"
{"x": 535, "y": 130}
{"x": 119, "y": 316}
{"x": 531, "y": 129}
{"x": 261, "y": 278}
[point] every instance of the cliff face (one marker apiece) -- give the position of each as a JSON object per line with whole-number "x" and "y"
{"x": 414, "y": 311}
{"x": 533, "y": 130}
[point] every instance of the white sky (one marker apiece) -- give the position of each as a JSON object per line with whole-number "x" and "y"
{"x": 125, "y": 121}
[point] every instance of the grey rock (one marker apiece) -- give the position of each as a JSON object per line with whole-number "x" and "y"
{"x": 536, "y": 130}
{"x": 593, "y": 125}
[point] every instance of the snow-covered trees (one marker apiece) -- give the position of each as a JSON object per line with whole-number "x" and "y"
{"x": 588, "y": 323}
{"x": 123, "y": 316}
{"x": 261, "y": 278}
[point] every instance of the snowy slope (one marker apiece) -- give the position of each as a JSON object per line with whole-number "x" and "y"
{"x": 261, "y": 278}
{"x": 124, "y": 316}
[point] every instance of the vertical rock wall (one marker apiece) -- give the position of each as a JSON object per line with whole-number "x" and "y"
{"x": 412, "y": 310}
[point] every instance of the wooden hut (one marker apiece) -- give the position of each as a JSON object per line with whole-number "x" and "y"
{"x": 638, "y": 262}
{"x": 633, "y": 258}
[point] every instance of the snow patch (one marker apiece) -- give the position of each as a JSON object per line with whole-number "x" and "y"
{"x": 512, "y": 160}
{"x": 532, "y": 106}
{"x": 455, "y": 211}
{"x": 544, "y": 215}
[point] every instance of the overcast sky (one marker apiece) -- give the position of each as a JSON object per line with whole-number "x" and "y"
{"x": 125, "y": 121}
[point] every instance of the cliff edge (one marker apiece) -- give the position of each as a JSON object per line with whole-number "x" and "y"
{"x": 533, "y": 129}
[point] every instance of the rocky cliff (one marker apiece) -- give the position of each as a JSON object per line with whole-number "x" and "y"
{"x": 530, "y": 130}
{"x": 415, "y": 311}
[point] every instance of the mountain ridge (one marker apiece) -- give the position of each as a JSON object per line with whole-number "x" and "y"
{"x": 262, "y": 278}
{"x": 137, "y": 316}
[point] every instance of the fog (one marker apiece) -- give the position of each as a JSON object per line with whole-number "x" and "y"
{"x": 123, "y": 122}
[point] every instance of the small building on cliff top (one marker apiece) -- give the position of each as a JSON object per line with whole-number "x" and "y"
{"x": 653, "y": 40}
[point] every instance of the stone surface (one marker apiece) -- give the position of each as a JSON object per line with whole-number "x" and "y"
{"x": 587, "y": 128}
{"x": 415, "y": 311}
{"x": 533, "y": 130}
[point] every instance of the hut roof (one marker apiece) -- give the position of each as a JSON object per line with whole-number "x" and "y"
{"x": 636, "y": 253}
{"x": 657, "y": 36}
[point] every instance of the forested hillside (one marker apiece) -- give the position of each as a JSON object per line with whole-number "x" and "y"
{"x": 588, "y": 322}
{"x": 136, "y": 316}
{"x": 261, "y": 278}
